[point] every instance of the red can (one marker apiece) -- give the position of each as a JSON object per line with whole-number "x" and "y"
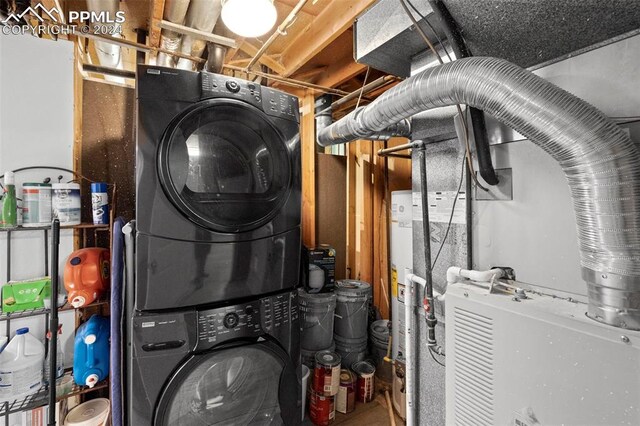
{"x": 326, "y": 374}
{"x": 346, "y": 398}
{"x": 365, "y": 372}
{"x": 322, "y": 410}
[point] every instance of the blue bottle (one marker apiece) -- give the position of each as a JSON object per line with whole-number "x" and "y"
{"x": 91, "y": 352}
{"x": 100, "y": 203}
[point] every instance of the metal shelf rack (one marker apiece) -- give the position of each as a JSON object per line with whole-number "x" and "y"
{"x": 46, "y": 395}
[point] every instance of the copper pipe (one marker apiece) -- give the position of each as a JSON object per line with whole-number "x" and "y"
{"x": 289, "y": 81}
{"x": 282, "y": 28}
{"x": 137, "y": 46}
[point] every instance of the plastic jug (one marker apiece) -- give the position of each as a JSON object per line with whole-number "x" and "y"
{"x": 86, "y": 275}
{"x": 91, "y": 352}
{"x": 21, "y": 366}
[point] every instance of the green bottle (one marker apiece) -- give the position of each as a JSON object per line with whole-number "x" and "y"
{"x": 9, "y": 204}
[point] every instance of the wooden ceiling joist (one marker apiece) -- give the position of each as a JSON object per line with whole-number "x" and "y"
{"x": 340, "y": 72}
{"x": 157, "y": 12}
{"x": 251, "y": 50}
{"x": 324, "y": 29}
{"x": 201, "y": 35}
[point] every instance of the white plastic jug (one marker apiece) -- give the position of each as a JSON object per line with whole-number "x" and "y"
{"x": 21, "y": 366}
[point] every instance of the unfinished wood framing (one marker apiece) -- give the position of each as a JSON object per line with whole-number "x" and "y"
{"x": 308, "y": 152}
{"x": 325, "y": 28}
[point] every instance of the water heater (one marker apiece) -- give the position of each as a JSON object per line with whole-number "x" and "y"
{"x": 401, "y": 258}
{"x": 525, "y": 361}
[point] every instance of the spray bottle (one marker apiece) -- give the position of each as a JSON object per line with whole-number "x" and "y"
{"x": 9, "y": 217}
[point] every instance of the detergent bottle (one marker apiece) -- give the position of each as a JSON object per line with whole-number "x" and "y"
{"x": 91, "y": 352}
{"x": 21, "y": 366}
{"x": 86, "y": 275}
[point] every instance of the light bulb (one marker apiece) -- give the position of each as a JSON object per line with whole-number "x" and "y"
{"x": 249, "y": 18}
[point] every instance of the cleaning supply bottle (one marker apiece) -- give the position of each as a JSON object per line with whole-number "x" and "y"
{"x": 9, "y": 204}
{"x": 59, "y": 360}
{"x": 91, "y": 352}
{"x": 21, "y": 366}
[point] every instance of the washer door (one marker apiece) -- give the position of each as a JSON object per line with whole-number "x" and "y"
{"x": 243, "y": 385}
{"x": 225, "y": 166}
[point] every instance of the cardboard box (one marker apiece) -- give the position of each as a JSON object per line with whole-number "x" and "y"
{"x": 321, "y": 266}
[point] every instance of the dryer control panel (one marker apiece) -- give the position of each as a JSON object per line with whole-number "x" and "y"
{"x": 252, "y": 319}
{"x": 272, "y": 102}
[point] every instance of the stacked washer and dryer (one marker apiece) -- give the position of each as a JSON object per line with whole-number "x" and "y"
{"x": 213, "y": 327}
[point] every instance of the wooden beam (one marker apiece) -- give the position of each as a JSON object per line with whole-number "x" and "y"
{"x": 201, "y": 35}
{"x": 380, "y": 284}
{"x": 251, "y": 50}
{"x": 233, "y": 51}
{"x": 155, "y": 16}
{"x": 309, "y": 73}
{"x": 305, "y": 75}
{"x": 325, "y": 28}
{"x": 341, "y": 71}
{"x": 352, "y": 165}
{"x": 308, "y": 143}
{"x": 77, "y": 117}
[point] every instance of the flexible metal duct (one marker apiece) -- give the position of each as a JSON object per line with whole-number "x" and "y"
{"x": 174, "y": 11}
{"x": 601, "y": 163}
{"x": 202, "y": 15}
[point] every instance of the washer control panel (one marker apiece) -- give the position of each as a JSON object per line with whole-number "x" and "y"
{"x": 272, "y": 102}
{"x": 253, "y": 319}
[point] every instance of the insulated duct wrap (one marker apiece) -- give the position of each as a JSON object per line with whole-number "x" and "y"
{"x": 601, "y": 163}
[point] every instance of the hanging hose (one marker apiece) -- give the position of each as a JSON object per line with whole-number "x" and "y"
{"x": 483, "y": 153}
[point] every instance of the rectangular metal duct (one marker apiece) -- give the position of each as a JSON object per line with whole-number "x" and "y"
{"x": 525, "y": 33}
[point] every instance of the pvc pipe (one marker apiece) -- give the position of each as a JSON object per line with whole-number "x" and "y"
{"x": 455, "y": 272}
{"x": 410, "y": 355}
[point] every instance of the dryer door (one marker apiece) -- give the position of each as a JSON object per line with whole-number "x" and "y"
{"x": 225, "y": 166}
{"x": 244, "y": 385}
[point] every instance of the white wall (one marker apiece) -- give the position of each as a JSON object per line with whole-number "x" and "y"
{"x": 36, "y": 128}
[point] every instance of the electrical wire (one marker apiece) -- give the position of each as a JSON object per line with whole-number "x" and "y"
{"x": 464, "y": 121}
{"x": 366, "y": 76}
{"x": 431, "y": 28}
{"x": 453, "y": 209}
{"x": 446, "y": 234}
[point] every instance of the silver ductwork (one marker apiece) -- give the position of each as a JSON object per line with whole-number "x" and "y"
{"x": 202, "y": 15}
{"x": 109, "y": 54}
{"x": 174, "y": 11}
{"x": 600, "y": 162}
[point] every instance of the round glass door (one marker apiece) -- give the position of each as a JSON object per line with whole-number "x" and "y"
{"x": 236, "y": 386}
{"x": 225, "y": 166}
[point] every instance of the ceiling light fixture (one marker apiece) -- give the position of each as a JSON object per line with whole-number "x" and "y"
{"x": 249, "y": 18}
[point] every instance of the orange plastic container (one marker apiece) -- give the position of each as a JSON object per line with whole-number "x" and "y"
{"x": 86, "y": 275}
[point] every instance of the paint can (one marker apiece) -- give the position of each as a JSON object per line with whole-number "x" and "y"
{"x": 346, "y": 398}
{"x": 317, "y": 312}
{"x": 365, "y": 372}
{"x": 66, "y": 203}
{"x": 351, "y": 350}
{"x": 353, "y": 298}
{"x": 100, "y": 203}
{"x": 379, "y": 337}
{"x": 36, "y": 204}
{"x": 309, "y": 357}
{"x": 322, "y": 409}
{"x": 326, "y": 374}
